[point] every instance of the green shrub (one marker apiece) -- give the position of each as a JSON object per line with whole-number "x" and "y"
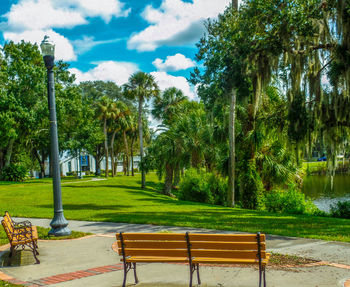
{"x": 218, "y": 188}
{"x": 14, "y": 172}
{"x": 194, "y": 187}
{"x": 202, "y": 187}
{"x": 69, "y": 173}
{"x": 251, "y": 187}
{"x": 341, "y": 209}
{"x": 291, "y": 201}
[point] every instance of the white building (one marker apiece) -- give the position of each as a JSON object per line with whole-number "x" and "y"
{"x": 70, "y": 164}
{"x": 88, "y": 163}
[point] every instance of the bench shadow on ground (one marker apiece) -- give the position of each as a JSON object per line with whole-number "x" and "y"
{"x": 19, "y": 258}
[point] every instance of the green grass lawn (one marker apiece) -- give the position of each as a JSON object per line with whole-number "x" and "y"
{"x": 121, "y": 199}
{"x": 7, "y": 284}
{"x": 43, "y": 234}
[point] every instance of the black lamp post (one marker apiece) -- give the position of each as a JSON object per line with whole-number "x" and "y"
{"x": 59, "y": 225}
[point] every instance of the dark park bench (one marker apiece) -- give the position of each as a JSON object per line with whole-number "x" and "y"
{"x": 192, "y": 249}
{"x": 20, "y": 235}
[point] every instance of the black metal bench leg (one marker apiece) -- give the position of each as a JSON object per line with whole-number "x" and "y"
{"x": 135, "y": 275}
{"x": 198, "y": 278}
{"x": 36, "y": 258}
{"x": 126, "y": 269}
{"x": 260, "y": 271}
{"x": 12, "y": 251}
{"x": 191, "y": 274}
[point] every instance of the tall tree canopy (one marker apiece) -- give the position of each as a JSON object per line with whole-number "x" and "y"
{"x": 302, "y": 46}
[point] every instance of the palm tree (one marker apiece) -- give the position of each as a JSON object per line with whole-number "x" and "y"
{"x": 126, "y": 124}
{"x": 104, "y": 112}
{"x": 166, "y": 107}
{"x": 232, "y": 143}
{"x": 119, "y": 112}
{"x": 133, "y": 135}
{"x": 190, "y": 126}
{"x": 141, "y": 86}
{"x": 164, "y": 154}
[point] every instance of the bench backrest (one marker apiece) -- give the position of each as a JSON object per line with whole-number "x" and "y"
{"x": 238, "y": 246}
{"x": 8, "y": 225}
{"x": 152, "y": 244}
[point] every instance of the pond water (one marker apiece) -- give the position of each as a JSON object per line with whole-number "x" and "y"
{"x": 318, "y": 189}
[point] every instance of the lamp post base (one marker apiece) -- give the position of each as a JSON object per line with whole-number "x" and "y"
{"x": 59, "y": 225}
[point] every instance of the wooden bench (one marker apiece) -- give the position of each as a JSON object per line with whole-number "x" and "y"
{"x": 193, "y": 249}
{"x": 20, "y": 235}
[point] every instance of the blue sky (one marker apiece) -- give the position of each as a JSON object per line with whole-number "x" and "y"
{"x": 111, "y": 39}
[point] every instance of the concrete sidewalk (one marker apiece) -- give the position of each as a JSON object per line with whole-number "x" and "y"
{"x": 92, "y": 262}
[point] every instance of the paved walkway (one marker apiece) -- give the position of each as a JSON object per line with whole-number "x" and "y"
{"x": 91, "y": 261}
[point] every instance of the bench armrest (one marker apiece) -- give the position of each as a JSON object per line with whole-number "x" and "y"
{"x": 25, "y": 223}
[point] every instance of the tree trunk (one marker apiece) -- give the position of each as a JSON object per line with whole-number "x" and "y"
{"x": 132, "y": 156}
{"x": 1, "y": 159}
{"x": 112, "y": 153}
{"x": 176, "y": 175}
{"x": 97, "y": 165}
{"x": 42, "y": 166}
{"x": 235, "y": 4}
{"x": 168, "y": 179}
{"x": 112, "y": 161}
{"x": 106, "y": 146}
{"x": 8, "y": 153}
{"x": 124, "y": 164}
{"x": 98, "y": 160}
{"x": 127, "y": 154}
{"x": 116, "y": 164}
{"x": 143, "y": 175}
{"x": 231, "y": 172}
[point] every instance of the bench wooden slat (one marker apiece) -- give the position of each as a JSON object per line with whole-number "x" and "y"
{"x": 155, "y": 252}
{"x": 195, "y": 253}
{"x": 204, "y": 260}
{"x": 6, "y": 223}
{"x": 154, "y": 244}
{"x": 226, "y": 254}
{"x": 154, "y": 236}
{"x": 226, "y": 245}
{"x": 151, "y": 259}
{"x": 225, "y": 237}
{"x": 194, "y": 245}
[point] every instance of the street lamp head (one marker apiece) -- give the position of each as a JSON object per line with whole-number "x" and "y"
{"x": 47, "y": 47}
{"x": 48, "y": 51}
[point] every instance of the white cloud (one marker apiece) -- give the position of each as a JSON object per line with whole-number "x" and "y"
{"x": 174, "y": 63}
{"x": 41, "y": 14}
{"x": 46, "y": 14}
{"x": 106, "y": 9}
{"x": 30, "y": 20}
{"x": 63, "y": 48}
{"x": 118, "y": 72}
{"x": 175, "y": 23}
{"x": 165, "y": 81}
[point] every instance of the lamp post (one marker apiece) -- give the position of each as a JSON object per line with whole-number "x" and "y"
{"x": 59, "y": 225}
